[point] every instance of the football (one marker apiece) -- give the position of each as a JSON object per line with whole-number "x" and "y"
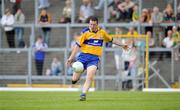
{"x": 78, "y": 67}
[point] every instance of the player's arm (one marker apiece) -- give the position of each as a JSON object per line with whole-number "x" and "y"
{"x": 76, "y": 49}
{"x": 73, "y": 54}
{"x": 108, "y": 38}
{"x": 117, "y": 42}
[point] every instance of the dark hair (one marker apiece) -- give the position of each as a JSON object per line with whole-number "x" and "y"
{"x": 93, "y": 18}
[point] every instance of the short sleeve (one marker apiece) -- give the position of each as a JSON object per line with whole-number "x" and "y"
{"x": 81, "y": 40}
{"x": 107, "y": 37}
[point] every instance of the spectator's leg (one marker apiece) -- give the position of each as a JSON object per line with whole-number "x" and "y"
{"x": 10, "y": 38}
{"x": 39, "y": 67}
{"x": 129, "y": 14}
{"x": 46, "y": 3}
{"x": 47, "y": 35}
{"x": 100, "y": 5}
{"x": 133, "y": 72}
{"x": 16, "y": 30}
{"x": 117, "y": 60}
{"x": 42, "y": 32}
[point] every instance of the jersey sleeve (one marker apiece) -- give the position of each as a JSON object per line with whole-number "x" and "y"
{"x": 81, "y": 40}
{"x": 107, "y": 37}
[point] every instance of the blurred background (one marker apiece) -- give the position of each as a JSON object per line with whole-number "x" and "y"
{"x": 55, "y": 25}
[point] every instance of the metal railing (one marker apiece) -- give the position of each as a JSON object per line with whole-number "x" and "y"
{"x": 102, "y": 77}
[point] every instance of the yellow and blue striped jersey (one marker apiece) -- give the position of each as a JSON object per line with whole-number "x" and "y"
{"x": 91, "y": 42}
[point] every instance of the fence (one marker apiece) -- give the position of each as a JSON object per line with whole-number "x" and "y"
{"x": 105, "y": 77}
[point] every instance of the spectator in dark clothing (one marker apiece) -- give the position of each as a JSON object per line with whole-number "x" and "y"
{"x": 45, "y": 19}
{"x": 178, "y": 15}
{"x": 16, "y": 4}
{"x": 113, "y": 10}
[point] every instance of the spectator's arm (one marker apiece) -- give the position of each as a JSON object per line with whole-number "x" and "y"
{"x": 49, "y": 18}
{"x": 3, "y": 21}
{"x": 10, "y": 21}
{"x": 45, "y": 46}
{"x": 22, "y": 19}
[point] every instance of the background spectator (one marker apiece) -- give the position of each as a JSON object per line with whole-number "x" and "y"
{"x": 151, "y": 43}
{"x": 39, "y": 48}
{"x": 7, "y": 21}
{"x": 117, "y": 54}
{"x": 43, "y": 4}
{"x": 151, "y": 39}
{"x": 56, "y": 68}
{"x": 113, "y": 10}
{"x": 132, "y": 31}
{"x": 19, "y": 31}
{"x": 67, "y": 10}
{"x": 168, "y": 14}
{"x": 167, "y": 43}
{"x": 145, "y": 16}
{"x": 178, "y": 15}
{"x": 135, "y": 14}
{"x": 86, "y": 10}
{"x": 168, "y": 17}
{"x": 126, "y": 10}
{"x": 44, "y": 19}
{"x": 129, "y": 58}
{"x": 176, "y": 35}
{"x": 101, "y": 4}
{"x": 156, "y": 16}
{"x": 16, "y": 4}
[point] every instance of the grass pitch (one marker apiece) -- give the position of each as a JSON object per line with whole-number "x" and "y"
{"x": 95, "y": 101}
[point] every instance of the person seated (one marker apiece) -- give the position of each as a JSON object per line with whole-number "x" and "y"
{"x": 126, "y": 10}
{"x": 66, "y": 14}
{"x": 156, "y": 16}
{"x": 56, "y": 68}
{"x": 135, "y": 14}
{"x": 168, "y": 15}
{"x": 113, "y": 10}
{"x": 86, "y": 11}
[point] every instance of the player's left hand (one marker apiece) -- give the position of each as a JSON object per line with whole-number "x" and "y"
{"x": 125, "y": 47}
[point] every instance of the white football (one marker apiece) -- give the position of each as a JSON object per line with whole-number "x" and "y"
{"x": 78, "y": 67}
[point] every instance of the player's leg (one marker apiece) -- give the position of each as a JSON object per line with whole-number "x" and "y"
{"x": 75, "y": 77}
{"x": 91, "y": 70}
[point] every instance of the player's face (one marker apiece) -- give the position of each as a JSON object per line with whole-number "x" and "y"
{"x": 93, "y": 25}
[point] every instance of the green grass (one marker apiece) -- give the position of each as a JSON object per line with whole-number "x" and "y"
{"x": 95, "y": 101}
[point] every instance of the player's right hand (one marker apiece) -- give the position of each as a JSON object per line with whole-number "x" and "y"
{"x": 69, "y": 62}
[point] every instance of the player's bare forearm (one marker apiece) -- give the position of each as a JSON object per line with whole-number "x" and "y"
{"x": 73, "y": 54}
{"x": 118, "y": 43}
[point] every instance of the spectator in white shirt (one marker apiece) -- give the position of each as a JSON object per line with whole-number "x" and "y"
{"x": 7, "y": 22}
{"x": 167, "y": 43}
{"x": 86, "y": 10}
